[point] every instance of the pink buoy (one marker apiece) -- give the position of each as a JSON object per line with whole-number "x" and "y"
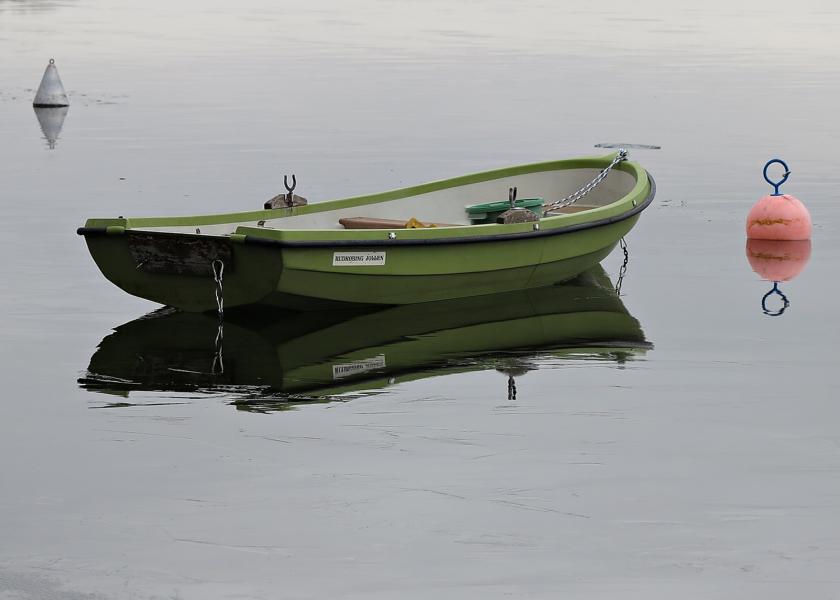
{"x": 778, "y": 216}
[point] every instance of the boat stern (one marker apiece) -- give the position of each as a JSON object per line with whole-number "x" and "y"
{"x": 180, "y": 270}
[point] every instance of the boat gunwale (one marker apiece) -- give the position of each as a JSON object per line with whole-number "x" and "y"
{"x": 590, "y": 162}
{"x": 530, "y": 234}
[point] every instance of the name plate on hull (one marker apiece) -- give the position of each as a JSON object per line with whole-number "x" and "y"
{"x": 361, "y": 366}
{"x": 358, "y": 259}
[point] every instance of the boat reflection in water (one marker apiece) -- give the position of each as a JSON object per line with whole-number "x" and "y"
{"x": 270, "y": 361}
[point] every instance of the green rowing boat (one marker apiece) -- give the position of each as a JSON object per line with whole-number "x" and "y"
{"x": 267, "y": 359}
{"x": 454, "y": 238}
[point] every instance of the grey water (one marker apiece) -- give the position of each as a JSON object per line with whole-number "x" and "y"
{"x": 689, "y": 449}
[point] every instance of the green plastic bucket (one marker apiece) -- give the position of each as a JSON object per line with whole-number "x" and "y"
{"x": 487, "y": 212}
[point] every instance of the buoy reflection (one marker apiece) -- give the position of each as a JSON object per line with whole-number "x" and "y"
{"x": 51, "y": 121}
{"x": 777, "y": 261}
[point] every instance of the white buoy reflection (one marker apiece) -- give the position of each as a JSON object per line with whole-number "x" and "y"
{"x": 51, "y": 121}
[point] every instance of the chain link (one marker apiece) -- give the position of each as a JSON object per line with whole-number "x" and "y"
{"x": 511, "y": 388}
{"x": 218, "y": 367}
{"x": 623, "y": 270}
{"x": 218, "y": 267}
{"x": 218, "y": 273}
{"x": 574, "y": 197}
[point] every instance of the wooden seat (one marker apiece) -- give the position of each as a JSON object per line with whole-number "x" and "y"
{"x": 375, "y": 223}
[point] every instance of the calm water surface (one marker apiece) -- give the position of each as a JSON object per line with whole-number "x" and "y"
{"x": 680, "y": 443}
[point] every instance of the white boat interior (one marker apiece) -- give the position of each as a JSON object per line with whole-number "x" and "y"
{"x": 445, "y": 207}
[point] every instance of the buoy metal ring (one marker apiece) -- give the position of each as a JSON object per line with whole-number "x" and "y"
{"x": 776, "y": 184}
{"x": 785, "y": 303}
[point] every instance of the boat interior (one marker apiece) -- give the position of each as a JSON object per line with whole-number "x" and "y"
{"x": 457, "y": 206}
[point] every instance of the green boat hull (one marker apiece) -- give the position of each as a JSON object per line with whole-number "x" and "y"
{"x": 299, "y": 269}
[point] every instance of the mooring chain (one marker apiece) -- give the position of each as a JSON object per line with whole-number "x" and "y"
{"x": 218, "y": 366}
{"x": 218, "y": 273}
{"x": 218, "y": 267}
{"x": 574, "y": 197}
{"x": 623, "y": 270}
{"x": 511, "y": 388}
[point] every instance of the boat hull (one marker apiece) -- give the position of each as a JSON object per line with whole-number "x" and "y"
{"x": 305, "y": 278}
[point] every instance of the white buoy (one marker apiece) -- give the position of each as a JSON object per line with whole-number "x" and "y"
{"x": 51, "y": 91}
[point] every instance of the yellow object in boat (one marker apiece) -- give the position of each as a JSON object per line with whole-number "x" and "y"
{"x": 414, "y": 223}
